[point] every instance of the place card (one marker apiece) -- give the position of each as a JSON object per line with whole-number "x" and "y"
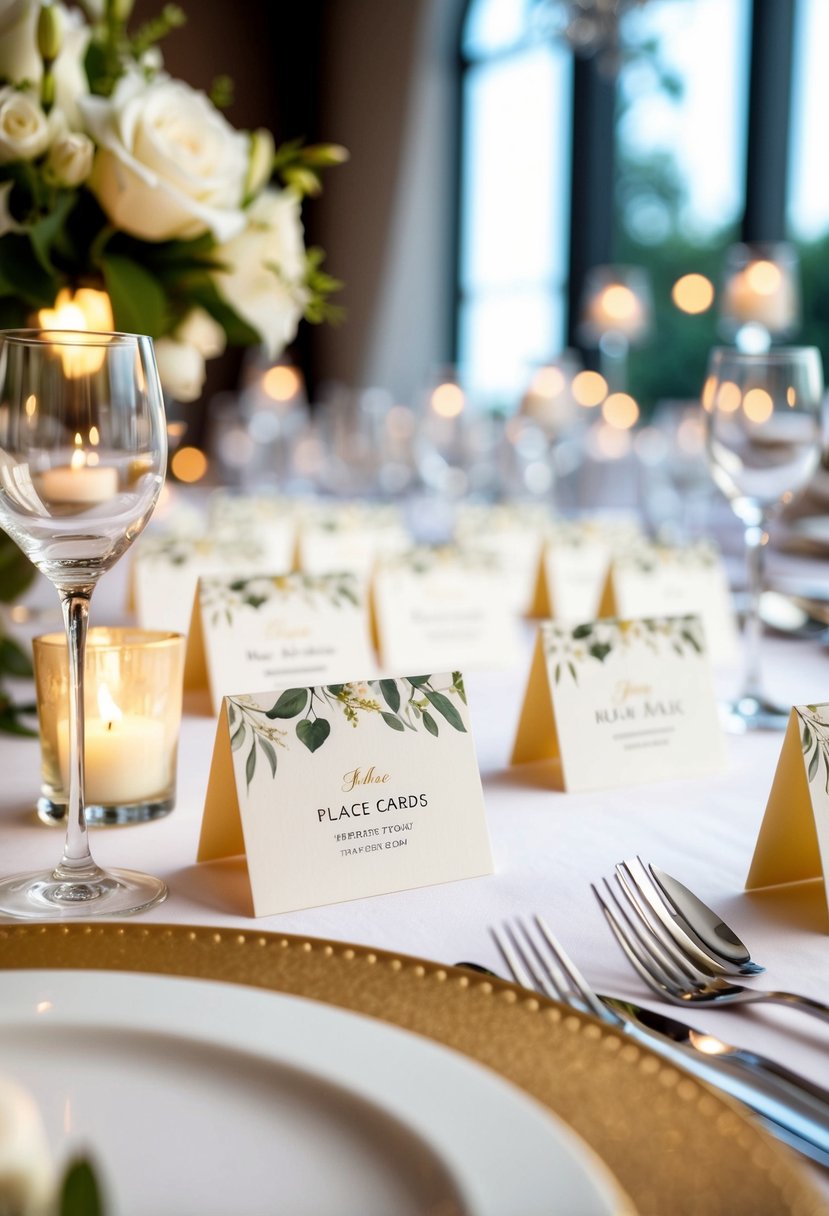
{"x": 271, "y": 631}
{"x": 574, "y": 563}
{"x": 513, "y": 533}
{"x": 661, "y": 580}
{"x": 269, "y": 518}
{"x": 617, "y": 702}
{"x": 793, "y": 842}
{"x": 349, "y": 536}
{"x": 166, "y": 570}
{"x": 343, "y": 791}
{"x": 433, "y": 605}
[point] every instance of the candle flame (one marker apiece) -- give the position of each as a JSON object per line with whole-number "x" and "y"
{"x": 78, "y": 458}
{"x": 448, "y": 400}
{"x": 109, "y": 711}
{"x": 86, "y": 310}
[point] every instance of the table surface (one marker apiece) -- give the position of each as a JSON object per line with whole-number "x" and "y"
{"x": 548, "y": 846}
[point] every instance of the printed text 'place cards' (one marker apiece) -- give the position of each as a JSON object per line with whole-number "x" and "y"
{"x": 338, "y": 792}
{"x": 439, "y": 606}
{"x": 272, "y": 631}
{"x": 620, "y": 702}
{"x": 793, "y": 843}
{"x": 660, "y": 580}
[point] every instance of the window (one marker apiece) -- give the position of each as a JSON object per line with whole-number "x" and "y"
{"x": 514, "y": 201}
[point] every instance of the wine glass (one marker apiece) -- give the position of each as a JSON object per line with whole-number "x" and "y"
{"x": 83, "y": 448}
{"x": 763, "y": 444}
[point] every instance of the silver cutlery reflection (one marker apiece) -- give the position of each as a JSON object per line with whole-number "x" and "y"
{"x": 670, "y": 908}
{"x": 674, "y": 975}
{"x": 789, "y": 1106}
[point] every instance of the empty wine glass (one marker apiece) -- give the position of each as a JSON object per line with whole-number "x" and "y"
{"x": 83, "y": 448}
{"x": 763, "y": 444}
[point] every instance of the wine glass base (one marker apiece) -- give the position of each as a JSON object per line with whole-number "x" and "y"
{"x": 750, "y": 713}
{"x": 44, "y": 895}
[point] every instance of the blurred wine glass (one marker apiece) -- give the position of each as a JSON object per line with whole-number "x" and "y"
{"x": 763, "y": 443}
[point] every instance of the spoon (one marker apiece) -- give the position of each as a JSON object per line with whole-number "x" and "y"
{"x": 682, "y": 912}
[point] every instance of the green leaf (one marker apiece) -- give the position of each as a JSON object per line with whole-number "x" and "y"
{"x": 16, "y": 571}
{"x": 418, "y": 681}
{"x": 557, "y": 674}
{"x": 80, "y": 1194}
{"x": 313, "y": 734}
{"x": 573, "y": 672}
{"x": 692, "y": 641}
{"x": 250, "y": 763}
{"x": 270, "y": 752}
{"x": 138, "y": 301}
{"x": 232, "y": 713}
{"x": 21, "y": 272}
{"x": 10, "y": 723}
{"x": 392, "y": 721}
{"x": 807, "y": 738}
{"x": 391, "y": 694}
{"x": 289, "y": 704}
{"x": 14, "y": 660}
{"x": 445, "y": 707}
{"x": 826, "y": 767}
{"x": 45, "y": 232}
{"x": 430, "y": 723}
{"x": 458, "y": 685}
{"x": 582, "y": 631}
{"x": 814, "y": 762}
{"x": 238, "y": 737}
{"x": 600, "y": 651}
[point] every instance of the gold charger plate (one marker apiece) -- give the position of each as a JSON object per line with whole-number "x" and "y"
{"x": 673, "y": 1145}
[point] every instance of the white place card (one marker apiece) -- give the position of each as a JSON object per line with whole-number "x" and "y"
{"x": 269, "y": 519}
{"x": 435, "y": 604}
{"x": 349, "y": 536}
{"x": 338, "y": 792}
{"x": 793, "y": 842}
{"x": 272, "y": 631}
{"x": 616, "y": 702}
{"x": 513, "y": 533}
{"x": 166, "y": 570}
{"x": 662, "y": 580}
{"x": 574, "y": 564}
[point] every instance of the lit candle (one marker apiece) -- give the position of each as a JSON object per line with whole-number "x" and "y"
{"x": 761, "y": 293}
{"x": 83, "y": 480}
{"x": 125, "y": 754}
{"x": 84, "y": 311}
{"x": 617, "y": 309}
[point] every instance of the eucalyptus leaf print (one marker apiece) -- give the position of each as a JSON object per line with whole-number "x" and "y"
{"x": 306, "y": 714}
{"x": 814, "y": 742}
{"x": 224, "y": 599}
{"x": 569, "y": 647}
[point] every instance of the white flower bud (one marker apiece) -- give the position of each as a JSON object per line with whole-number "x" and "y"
{"x": 260, "y": 161}
{"x": 199, "y": 329}
{"x": 70, "y": 159}
{"x": 180, "y": 368}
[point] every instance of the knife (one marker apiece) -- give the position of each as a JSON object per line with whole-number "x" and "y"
{"x": 791, "y": 1107}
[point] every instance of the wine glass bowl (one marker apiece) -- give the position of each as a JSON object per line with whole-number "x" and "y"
{"x": 763, "y": 444}
{"x": 83, "y": 448}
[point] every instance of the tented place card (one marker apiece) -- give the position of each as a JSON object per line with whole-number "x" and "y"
{"x": 617, "y": 702}
{"x": 574, "y": 565}
{"x": 514, "y": 534}
{"x": 166, "y": 569}
{"x": 663, "y": 580}
{"x": 268, "y": 632}
{"x": 436, "y": 605}
{"x": 271, "y": 520}
{"x": 342, "y": 791}
{"x": 793, "y": 843}
{"x": 349, "y": 536}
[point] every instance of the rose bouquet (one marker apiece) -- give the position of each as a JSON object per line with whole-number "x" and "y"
{"x": 127, "y": 195}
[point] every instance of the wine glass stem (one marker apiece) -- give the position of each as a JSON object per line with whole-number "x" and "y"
{"x": 77, "y": 860}
{"x": 756, "y": 537}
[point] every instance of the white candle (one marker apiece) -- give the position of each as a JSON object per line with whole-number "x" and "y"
{"x": 762, "y": 293}
{"x": 78, "y": 484}
{"x": 126, "y": 757}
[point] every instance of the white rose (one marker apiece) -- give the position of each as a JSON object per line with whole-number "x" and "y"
{"x": 70, "y": 158}
{"x": 169, "y": 164}
{"x": 24, "y": 129}
{"x": 19, "y": 59}
{"x": 180, "y": 368}
{"x": 199, "y": 329}
{"x": 263, "y": 279}
{"x": 71, "y": 84}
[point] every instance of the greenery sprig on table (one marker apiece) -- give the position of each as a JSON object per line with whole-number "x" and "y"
{"x": 16, "y": 573}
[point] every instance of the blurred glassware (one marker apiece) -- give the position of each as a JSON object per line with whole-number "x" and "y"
{"x": 275, "y": 407}
{"x": 764, "y": 438}
{"x": 676, "y": 481}
{"x": 760, "y": 297}
{"x": 616, "y": 314}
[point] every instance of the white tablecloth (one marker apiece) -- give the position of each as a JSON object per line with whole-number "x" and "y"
{"x": 547, "y": 846}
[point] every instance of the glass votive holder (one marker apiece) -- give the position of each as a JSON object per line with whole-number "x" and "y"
{"x": 133, "y": 693}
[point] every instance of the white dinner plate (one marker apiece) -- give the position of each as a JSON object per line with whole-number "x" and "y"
{"x": 193, "y": 1096}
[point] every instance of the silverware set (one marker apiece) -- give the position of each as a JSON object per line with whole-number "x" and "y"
{"x": 683, "y": 951}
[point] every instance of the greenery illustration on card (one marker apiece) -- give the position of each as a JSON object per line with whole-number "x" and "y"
{"x": 793, "y": 841}
{"x": 305, "y": 715}
{"x": 223, "y": 599}
{"x": 568, "y": 647}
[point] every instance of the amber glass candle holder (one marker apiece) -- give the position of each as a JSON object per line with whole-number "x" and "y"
{"x": 133, "y": 693}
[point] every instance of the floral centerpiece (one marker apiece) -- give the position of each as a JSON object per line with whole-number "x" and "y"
{"x": 115, "y": 176}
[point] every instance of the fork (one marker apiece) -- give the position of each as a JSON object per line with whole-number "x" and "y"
{"x": 673, "y": 974}
{"x": 788, "y": 1106}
